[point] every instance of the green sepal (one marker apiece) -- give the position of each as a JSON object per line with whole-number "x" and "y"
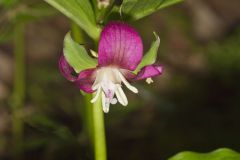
{"x": 76, "y": 55}
{"x": 151, "y": 56}
{"x": 219, "y": 154}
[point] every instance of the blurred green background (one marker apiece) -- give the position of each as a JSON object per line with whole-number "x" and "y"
{"x": 194, "y": 105}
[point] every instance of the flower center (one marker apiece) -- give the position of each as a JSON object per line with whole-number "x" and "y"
{"x": 108, "y": 84}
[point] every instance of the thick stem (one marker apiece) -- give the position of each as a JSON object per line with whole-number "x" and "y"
{"x": 99, "y": 131}
{"x": 77, "y": 33}
{"x": 88, "y": 117}
{"x": 86, "y": 111}
{"x": 19, "y": 86}
{"x": 92, "y": 113}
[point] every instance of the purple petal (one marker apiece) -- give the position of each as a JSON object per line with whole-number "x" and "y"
{"x": 120, "y": 45}
{"x": 66, "y": 69}
{"x": 149, "y": 71}
{"x": 84, "y": 80}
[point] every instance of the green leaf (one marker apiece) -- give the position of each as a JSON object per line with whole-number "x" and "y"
{"x": 168, "y": 3}
{"x": 151, "y": 56}
{"x": 136, "y": 9}
{"x": 77, "y": 56}
{"x": 81, "y": 12}
{"x": 220, "y": 154}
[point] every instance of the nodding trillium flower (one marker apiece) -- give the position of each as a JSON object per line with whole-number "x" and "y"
{"x": 120, "y": 52}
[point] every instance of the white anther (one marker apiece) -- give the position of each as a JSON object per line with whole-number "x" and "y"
{"x": 97, "y": 95}
{"x": 149, "y": 80}
{"x": 127, "y": 84}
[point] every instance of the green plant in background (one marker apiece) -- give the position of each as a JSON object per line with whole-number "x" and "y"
{"x": 14, "y": 12}
{"x": 15, "y": 15}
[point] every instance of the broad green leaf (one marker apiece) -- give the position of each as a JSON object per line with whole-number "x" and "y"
{"x": 220, "y": 154}
{"x": 81, "y": 12}
{"x": 77, "y": 56}
{"x": 136, "y": 9}
{"x": 151, "y": 56}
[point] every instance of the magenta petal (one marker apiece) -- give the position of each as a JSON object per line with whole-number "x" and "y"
{"x": 120, "y": 45}
{"x": 85, "y": 80}
{"x": 66, "y": 69}
{"x": 149, "y": 71}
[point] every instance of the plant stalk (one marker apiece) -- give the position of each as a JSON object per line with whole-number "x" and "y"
{"x": 19, "y": 87}
{"x": 99, "y": 131}
{"x": 86, "y": 110}
{"x": 92, "y": 113}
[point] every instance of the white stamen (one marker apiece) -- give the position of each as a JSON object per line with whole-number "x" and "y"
{"x": 96, "y": 82}
{"x": 149, "y": 80}
{"x": 127, "y": 84}
{"x": 94, "y": 54}
{"x": 97, "y": 95}
{"x": 95, "y": 86}
{"x": 119, "y": 98}
{"x": 105, "y": 103}
{"x": 122, "y": 95}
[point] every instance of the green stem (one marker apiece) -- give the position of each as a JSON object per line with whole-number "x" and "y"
{"x": 99, "y": 131}
{"x": 86, "y": 111}
{"x": 77, "y": 33}
{"x": 92, "y": 113}
{"x": 19, "y": 86}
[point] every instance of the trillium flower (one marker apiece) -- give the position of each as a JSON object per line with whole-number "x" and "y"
{"x": 120, "y": 60}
